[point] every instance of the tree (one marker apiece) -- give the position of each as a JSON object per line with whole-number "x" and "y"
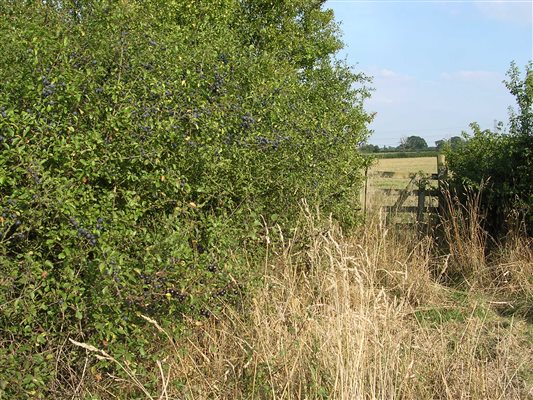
{"x": 413, "y": 143}
{"x": 453, "y": 142}
{"x": 456, "y": 141}
{"x": 521, "y": 131}
{"x": 370, "y": 148}
{"x": 521, "y": 121}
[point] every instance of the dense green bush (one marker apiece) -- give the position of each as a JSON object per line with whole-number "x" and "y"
{"x": 143, "y": 141}
{"x": 502, "y": 161}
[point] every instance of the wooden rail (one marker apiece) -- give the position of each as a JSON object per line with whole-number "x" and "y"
{"x": 411, "y": 209}
{"x": 418, "y": 186}
{"x": 388, "y": 192}
{"x": 390, "y": 174}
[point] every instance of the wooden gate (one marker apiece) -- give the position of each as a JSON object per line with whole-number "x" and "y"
{"x": 423, "y": 192}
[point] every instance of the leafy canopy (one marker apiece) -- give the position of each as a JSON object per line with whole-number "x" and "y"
{"x": 142, "y": 143}
{"x": 413, "y": 143}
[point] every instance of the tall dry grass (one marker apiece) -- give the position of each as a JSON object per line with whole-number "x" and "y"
{"x": 478, "y": 261}
{"x": 358, "y": 317}
{"x": 465, "y": 239}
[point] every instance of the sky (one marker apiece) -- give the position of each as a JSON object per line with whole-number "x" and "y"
{"x": 437, "y": 66}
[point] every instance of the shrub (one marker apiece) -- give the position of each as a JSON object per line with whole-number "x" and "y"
{"x": 143, "y": 142}
{"x": 502, "y": 160}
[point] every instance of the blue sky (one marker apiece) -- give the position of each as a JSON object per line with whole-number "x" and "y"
{"x": 437, "y": 66}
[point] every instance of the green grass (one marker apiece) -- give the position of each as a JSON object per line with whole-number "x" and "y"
{"x": 438, "y": 316}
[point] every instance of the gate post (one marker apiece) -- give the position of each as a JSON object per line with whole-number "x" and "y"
{"x": 442, "y": 170}
{"x": 442, "y": 173}
{"x": 421, "y": 202}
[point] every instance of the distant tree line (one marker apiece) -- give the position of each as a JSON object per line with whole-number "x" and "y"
{"x": 414, "y": 143}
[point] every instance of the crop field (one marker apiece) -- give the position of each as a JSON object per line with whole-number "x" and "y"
{"x": 403, "y": 167}
{"x": 425, "y": 164}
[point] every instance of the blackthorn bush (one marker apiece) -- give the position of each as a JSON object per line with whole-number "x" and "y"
{"x": 141, "y": 145}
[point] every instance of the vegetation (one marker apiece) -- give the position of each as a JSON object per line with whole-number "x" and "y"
{"x": 412, "y": 146}
{"x": 141, "y": 144}
{"x": 405, "y": 168}
{"x": 158, "y": 163}
{"x": 404, "y": 154}
{"x": 502, "y": 162}
{"x": 453, "y": 142}
{"x": 413, "y": 143}
{"x": 368, "y": 316}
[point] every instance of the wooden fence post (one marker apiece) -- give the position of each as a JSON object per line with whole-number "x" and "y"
{"x": 442, "y": 170}
{"x": 421, "y": 202}
{"x": 442, "y": 174}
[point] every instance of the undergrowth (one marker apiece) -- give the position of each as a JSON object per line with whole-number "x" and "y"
{"x": 361, "y": 316}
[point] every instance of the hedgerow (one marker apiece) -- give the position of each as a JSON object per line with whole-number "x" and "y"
{"x": 142, "y": 143}
{"x": 501, "y": 162}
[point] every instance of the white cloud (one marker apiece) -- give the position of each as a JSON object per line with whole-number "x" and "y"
{"x": 508, "y": 11}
